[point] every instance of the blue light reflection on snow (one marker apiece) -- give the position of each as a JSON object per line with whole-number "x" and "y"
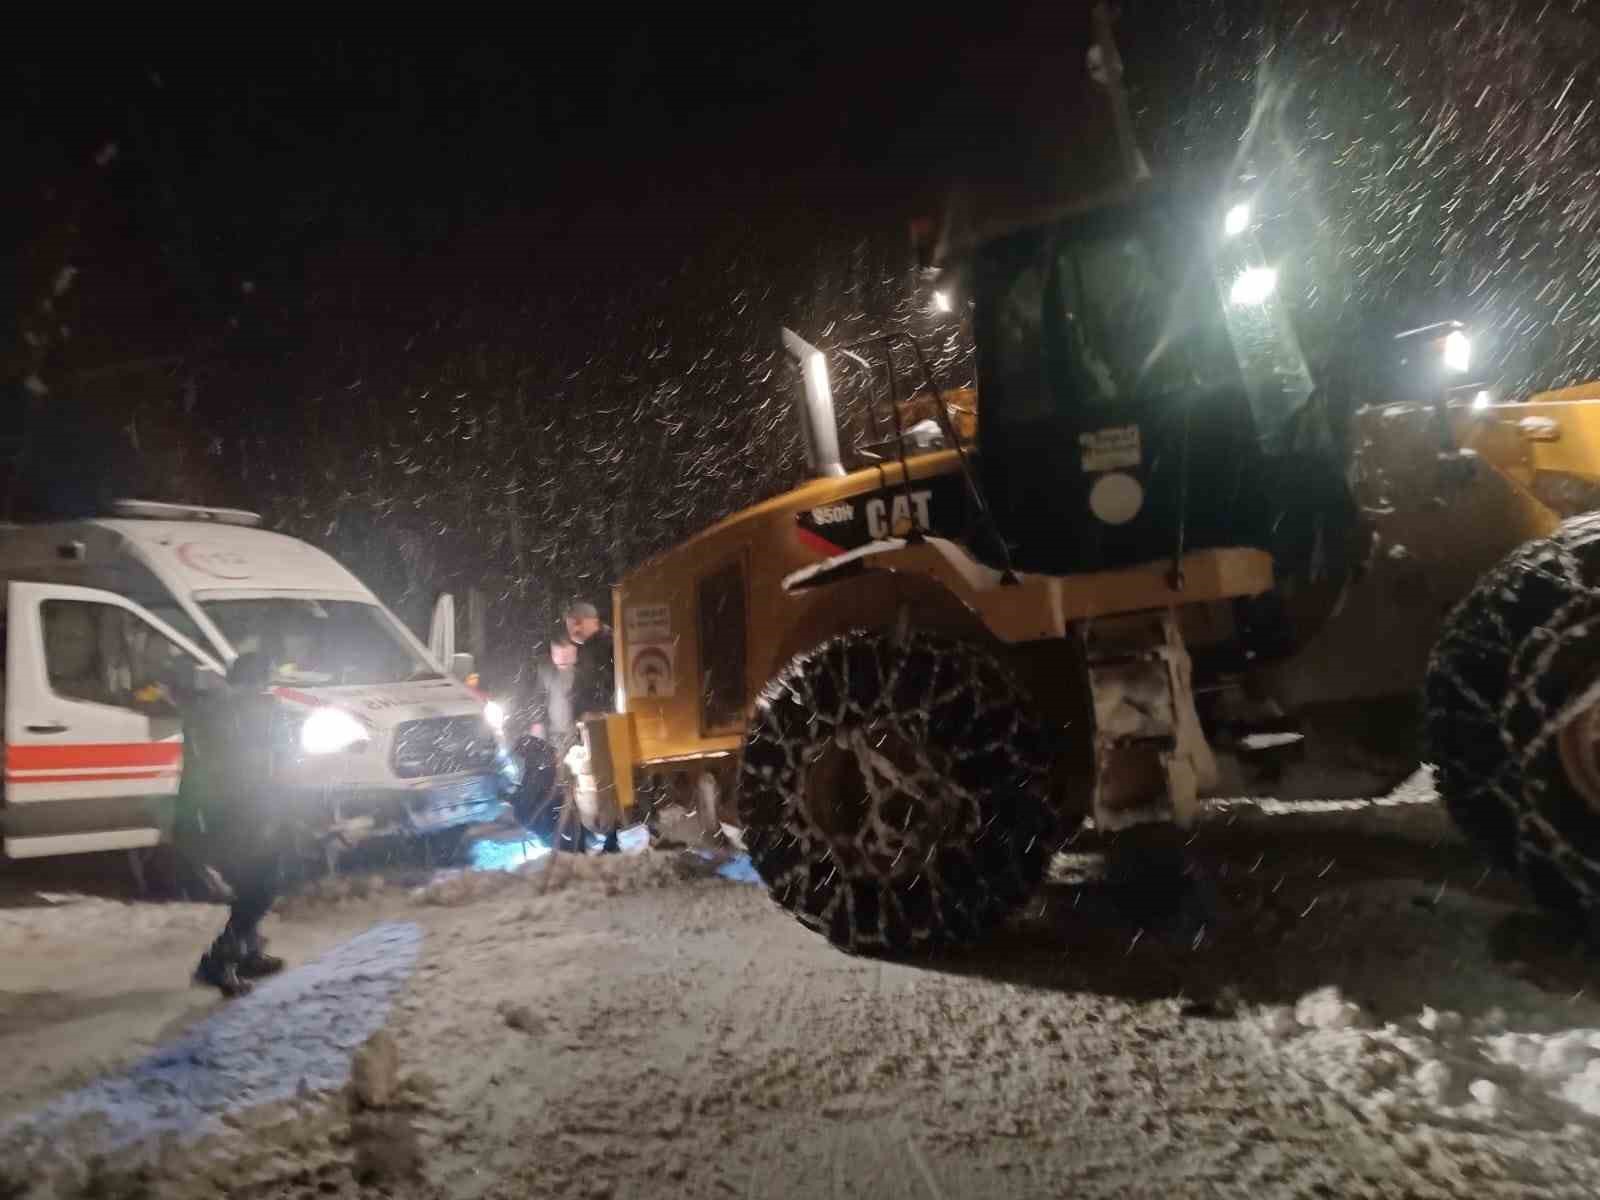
{"x": 739, "y": 870}
{"x": 736, "y": 869}
{"x": 295, "y": 1031}
{"x": 492, "y": 855}
{"x": 510, "y": 853}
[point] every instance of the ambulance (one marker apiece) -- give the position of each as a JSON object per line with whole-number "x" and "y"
{"x": 112, "y": 626}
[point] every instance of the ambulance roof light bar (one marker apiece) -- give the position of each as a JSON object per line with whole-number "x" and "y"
{"x": 156, "y": 510}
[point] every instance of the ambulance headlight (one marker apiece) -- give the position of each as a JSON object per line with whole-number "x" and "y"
{"x": 1253, "y": 286}
{"x": 495, "y": 714}
{"x": 330, "y": 730}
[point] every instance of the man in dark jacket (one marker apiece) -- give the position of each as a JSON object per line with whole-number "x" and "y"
{"x": 227, "y": 816}
{"x": 594, "y": 690}
{"x": 551, "y": 733}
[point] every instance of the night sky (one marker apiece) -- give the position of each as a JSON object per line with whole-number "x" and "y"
{"x": 501, "y": 305}
{"x": 619, "y": 140}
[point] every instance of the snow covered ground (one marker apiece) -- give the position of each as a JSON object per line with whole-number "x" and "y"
{"x": 1342, "y": 1004}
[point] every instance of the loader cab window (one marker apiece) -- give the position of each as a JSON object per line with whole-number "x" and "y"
{"x": 107, "y": 655}
{"x": 1100, "y": 315}
{"x": 722, "y": 650}
{"x": 1120, "y": 311}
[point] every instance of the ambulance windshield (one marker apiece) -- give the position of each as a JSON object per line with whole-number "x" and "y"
{"x": 320, "y": 642}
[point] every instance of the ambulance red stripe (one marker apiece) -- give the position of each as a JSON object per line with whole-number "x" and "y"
{"x": 93, "y": 754}
{"x": 117, "y": 778}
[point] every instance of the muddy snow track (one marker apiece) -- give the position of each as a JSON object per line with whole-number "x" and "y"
{"x": 697, "y": 1043}
{"x": 638, "y": 1033}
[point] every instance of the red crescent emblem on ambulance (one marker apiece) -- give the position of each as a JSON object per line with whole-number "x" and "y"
{"x": 209, "y": 560}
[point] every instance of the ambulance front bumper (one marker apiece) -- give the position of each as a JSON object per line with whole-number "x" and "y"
{"x": 427, "y": 807}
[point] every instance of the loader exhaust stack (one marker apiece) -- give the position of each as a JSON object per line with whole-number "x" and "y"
{"x": 819, "y": 431}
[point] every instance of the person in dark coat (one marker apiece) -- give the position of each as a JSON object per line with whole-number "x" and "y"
{"x": 554, "y": 717}
{"x": 228, "y": 818}
{"x": 594, "y": 690}
{"x": 552, "y": 732}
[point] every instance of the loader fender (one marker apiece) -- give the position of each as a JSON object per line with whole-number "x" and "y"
{"x": 874, "y": 594}
{"x": 858, "y": 595}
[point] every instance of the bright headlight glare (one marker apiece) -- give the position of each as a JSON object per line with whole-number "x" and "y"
{"x": 1458, "y": 351}
{"x": 330, "y": 730}
{"x": 941, "y": 301}
{"x": 1237, "y": 220}
{"x": 1253, "y": 286}
{"x": 495, "y": 714}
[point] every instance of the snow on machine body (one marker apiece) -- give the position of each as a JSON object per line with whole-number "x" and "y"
{"x": 1163, "y": 559}
{"x": 112, "y": 624}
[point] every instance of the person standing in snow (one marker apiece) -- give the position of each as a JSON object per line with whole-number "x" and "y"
{"x": 227, "y": 818}
{"x": 595, "y": 687}
{"x": 555, "y": 720}
{"x": 552, "y": 732}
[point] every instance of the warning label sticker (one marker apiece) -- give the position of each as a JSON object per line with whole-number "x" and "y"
{"x": 1110, "y": 449}
{"x": 651, "y": 670}
{"x": 647, "y": 622}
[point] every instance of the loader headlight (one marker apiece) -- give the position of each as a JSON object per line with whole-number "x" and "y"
{"x": 1458, "y": 351}
{"x": 495, "y": 714}
{"x": 330, "y": 730}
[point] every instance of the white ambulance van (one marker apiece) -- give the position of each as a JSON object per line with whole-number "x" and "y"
{"x": 108, "y": 624}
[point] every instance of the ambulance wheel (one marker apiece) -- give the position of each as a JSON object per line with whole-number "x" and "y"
{"x": 893, "y": 791}
{"x": 1513, "y": 718}
{"x": 443, "y": 847}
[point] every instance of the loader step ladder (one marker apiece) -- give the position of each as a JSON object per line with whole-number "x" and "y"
{"x": 1151, "y": 756}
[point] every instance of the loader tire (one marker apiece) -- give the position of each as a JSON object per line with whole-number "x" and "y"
{"x": 1512, "y": 681}
{"x": 893, "y": 791}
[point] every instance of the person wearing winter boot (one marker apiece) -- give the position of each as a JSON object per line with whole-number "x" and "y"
{"x": 226, "y": 819}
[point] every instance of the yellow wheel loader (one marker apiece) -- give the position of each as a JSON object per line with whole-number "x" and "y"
{"x": 1159, "y": 561}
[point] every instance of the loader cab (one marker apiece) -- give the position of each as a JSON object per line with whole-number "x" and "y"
{"x": 1137, "y": 369}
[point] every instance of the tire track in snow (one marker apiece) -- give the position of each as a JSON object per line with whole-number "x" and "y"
{"x": 293, "y": 1033}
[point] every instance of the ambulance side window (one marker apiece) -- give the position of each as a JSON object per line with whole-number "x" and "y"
{"x": 722, "y": 638}
{"x": 107, "y": 655}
